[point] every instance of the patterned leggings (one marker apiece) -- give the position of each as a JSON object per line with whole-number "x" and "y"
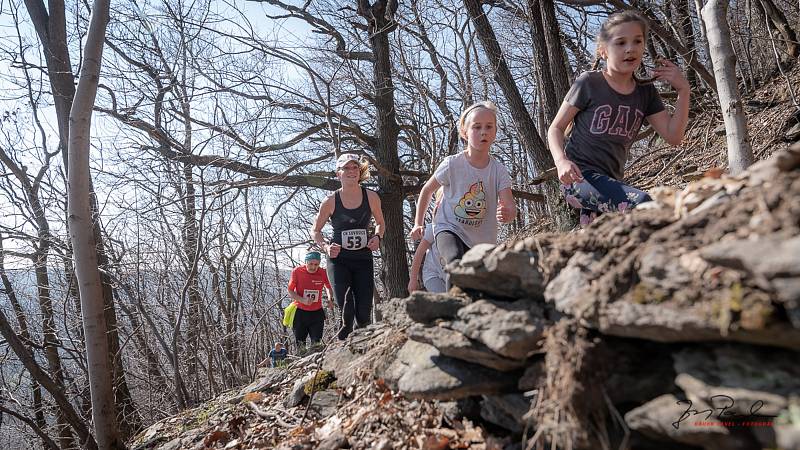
{"x": 598, "y": 193}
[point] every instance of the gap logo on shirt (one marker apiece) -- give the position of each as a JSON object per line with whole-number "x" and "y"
{"x": 625, "y": 123}
{"x": 471, "y": 208}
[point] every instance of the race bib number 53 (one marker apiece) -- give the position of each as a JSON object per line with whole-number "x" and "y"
{"x": 311, "y": 294}
{"x": 354, "y": 239}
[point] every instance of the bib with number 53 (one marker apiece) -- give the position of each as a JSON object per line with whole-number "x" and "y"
{"x": 354, "y": 239}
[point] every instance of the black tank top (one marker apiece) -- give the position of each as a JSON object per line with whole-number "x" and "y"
{"x": 350, "y": 227}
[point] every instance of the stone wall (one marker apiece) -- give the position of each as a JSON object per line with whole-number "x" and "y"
{"x": 676, "y": 325}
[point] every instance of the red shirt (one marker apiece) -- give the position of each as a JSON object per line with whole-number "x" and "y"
{"x": 309, "y": 285}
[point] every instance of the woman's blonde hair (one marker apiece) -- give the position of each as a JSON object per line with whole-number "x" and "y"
{"x": 462, "y": 120}
{"x": 363, "y": 170}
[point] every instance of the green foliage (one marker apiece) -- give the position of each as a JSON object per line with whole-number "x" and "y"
{"x": 644, "y": 293}
{"x": 321, "y": 381}
{"x": 199, "y": 416}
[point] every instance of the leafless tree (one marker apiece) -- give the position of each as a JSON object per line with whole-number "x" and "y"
{"x": 740, "y": 154}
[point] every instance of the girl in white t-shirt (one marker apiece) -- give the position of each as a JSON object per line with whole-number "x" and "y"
{"x": 474, "y": 185}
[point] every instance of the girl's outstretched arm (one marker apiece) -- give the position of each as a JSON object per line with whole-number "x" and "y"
{"x": 506, "y": 208}
{"x": 568, "y": 171}
{"x": 416, "y": 265}
{"x": 422, "y": 206}
{"x": 672, "y": 128}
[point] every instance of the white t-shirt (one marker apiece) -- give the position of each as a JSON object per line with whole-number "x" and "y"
{"x": 432, "y": 266}
{"x": 469, "y": 204}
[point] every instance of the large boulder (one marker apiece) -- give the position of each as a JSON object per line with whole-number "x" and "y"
{"x": 499, "y": 271}
{"x": 773, "y": 261}
{"x": 743, "y": 371}
{"x": 426, "y": 307}
{"x": 297, "y": 394}
{"x": 513, "y": 330}
{"x": 570, "y": 290}
{"x": 421, "y": 371}
{"x": 692, "y": 323}
{"x": 507, "y": 410}
{"x": 325, "y": 403}
{"x": 660, "y": 419}
{"x": 455, "y": 345}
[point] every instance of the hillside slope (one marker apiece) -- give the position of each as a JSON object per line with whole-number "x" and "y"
{"x": 581, "y": 340}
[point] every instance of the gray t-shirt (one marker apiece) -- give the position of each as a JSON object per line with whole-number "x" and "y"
{"x": 469, "y": 203}
{"x": 432, "y": 266}
{"x": 607, "y": 123}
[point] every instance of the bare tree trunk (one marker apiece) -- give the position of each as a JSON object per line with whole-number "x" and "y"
{"x": 190, "y": 243}
{"x": 50, "y": 25}
{"x": 778, "y": 19}
{"x": 130, "y": 421}
{"x": 231, "y": 341}
{"x": 687, "y": 36}
{"x": 740, "y": 154}
{"x": 82, "y": 235}
{"x": 36, "y": 390}
{"x": 40, "y": 259}
{"x": 528, "y": 135}
{"x": 698, "y": 6}
{"x": 559, "y": 68}
{"x": 28, "y": 360}
{"x": 541, "y": 64}
{"x": 380, "y": 23}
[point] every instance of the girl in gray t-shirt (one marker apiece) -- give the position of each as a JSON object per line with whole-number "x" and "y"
{"x": 474, "y": 184}
{"x": 606, "y": 109}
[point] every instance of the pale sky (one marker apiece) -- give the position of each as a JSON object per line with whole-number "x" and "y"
{"x": 292, "y": 32}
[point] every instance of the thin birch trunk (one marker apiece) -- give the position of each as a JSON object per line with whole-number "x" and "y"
{"x": 83, "y": 239}
{"x": 740, "y": 154}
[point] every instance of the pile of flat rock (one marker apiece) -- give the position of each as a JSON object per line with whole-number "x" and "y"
{"x": 676, "y": 326}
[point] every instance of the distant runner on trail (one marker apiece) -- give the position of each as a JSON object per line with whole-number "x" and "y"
{"x": 427, "y": 256}
{"x": 277, "y": 355}
{"x": 305, "y": 288}
{"x": 606, "y": 109}
{"x": 350, "y": 264}
{"x": 474, "y": 183}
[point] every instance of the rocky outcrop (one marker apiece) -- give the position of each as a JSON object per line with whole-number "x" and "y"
{"x": 425, "y": 307}
{"x": 420, "y": 371}
{"x": 499, "y": 273}
{"x": 692, "y": 300}
{"x": 456, "y": 345}
{"x": 512, "y": 330}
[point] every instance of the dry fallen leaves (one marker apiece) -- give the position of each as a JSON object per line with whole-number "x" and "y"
{"x": 714, "y": 172}
{"x": 255, "y": 397}
{"x": 215, "y": 436}
{"x": 435, "y": 442}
